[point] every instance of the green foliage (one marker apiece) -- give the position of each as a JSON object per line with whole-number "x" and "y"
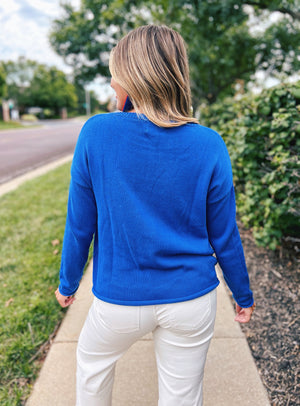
{"x": 279, "y": 48}
{"x": 85, "y": 37}
{"x": 262, "y": 134}
{"x": 32, "y": 84}
{"x": 50, "y": 88}
{"x": 3, "y": 87}
{"x": 222, "y": 46}
{"x": 31, "y": 218}
{"x": 18, "y": 77}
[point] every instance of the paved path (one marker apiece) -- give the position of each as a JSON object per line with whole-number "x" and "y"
{"x": 231, "y": 377}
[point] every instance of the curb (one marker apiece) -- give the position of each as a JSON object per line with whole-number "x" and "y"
{"x": 42, "y": 170}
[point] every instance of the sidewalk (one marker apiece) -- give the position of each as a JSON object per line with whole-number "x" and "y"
{"x": 231, "y": 377}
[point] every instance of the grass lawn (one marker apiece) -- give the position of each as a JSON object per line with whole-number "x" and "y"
{"x": 10, "y": 124}
{"x": 31, "y": 218}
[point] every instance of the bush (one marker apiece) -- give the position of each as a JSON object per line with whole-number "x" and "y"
{"x": 29, "y": 117}
{"x": 262, "y": 136}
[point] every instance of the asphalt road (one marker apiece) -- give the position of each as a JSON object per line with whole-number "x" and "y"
{"x": 21, "y": 150}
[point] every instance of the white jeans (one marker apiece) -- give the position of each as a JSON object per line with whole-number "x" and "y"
{"x": 181, "y": 332}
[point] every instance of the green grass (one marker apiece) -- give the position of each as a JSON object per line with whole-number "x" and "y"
{"x": 31, "y": 218}
{"x": 10, "y": 124}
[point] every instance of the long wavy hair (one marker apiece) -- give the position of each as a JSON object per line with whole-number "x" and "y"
{"x": 151, "y": 65}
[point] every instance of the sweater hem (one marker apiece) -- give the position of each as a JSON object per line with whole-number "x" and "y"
{"x": 149, "y": 302}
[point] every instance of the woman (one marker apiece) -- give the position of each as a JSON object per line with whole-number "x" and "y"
{"x": 154, "y": 189}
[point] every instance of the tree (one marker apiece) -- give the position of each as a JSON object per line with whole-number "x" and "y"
{"x": 19, "y": 75}
{"x": 50, "y": 88}
{"x": 221, "y": 49}
{"x": 290, "y": 7}
{"x": 84, "y": 38}
{"x": 3, "y": 87}
{"x": 222, "y": 46}
{"x": 32, "y": 84}
{"x": 279, "y": 48}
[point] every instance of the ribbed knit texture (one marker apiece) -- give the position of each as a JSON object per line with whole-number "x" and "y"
{"x": 159, "y": 203}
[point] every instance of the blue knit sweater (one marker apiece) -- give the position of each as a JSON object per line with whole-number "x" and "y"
{"x": 159, "y": 203}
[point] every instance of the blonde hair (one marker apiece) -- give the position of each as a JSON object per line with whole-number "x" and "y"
{"x": 151, "y": 65}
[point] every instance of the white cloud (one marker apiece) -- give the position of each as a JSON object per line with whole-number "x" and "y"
{"x": 25, "y": 26}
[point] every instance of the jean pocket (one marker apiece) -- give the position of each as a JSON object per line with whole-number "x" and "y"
{"x": 191, "y": 315}
{"x": 118, "y": 318}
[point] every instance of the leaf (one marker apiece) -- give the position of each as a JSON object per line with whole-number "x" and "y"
{"x": 8, "y": 302}
{"x": 55, "y": 242}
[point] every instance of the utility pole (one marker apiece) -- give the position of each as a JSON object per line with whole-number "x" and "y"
{"x": 87, "y": 102}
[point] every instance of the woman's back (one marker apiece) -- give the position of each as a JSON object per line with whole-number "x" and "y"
{"x": 151, "y": 187}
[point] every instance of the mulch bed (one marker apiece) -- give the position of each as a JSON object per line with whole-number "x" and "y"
{"x": 273, "y": 333}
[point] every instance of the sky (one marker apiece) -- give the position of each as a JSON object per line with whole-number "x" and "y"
{"x": 24, "y": 30}
{"x": 25, "y": 25}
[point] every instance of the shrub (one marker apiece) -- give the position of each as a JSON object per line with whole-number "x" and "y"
{"x": 29, "y": 117}
{"x": 262, "y": 134}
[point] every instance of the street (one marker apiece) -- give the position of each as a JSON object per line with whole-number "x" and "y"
{"x": 24, "y": 149}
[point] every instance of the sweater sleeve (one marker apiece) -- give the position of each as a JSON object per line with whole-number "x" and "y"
{"x": 80, "y": 223}
{"x": 223, "y": 232}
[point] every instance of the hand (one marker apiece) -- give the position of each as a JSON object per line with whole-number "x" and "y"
{"x": 243, "y": 315}
{"x": 64, "y": 301}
